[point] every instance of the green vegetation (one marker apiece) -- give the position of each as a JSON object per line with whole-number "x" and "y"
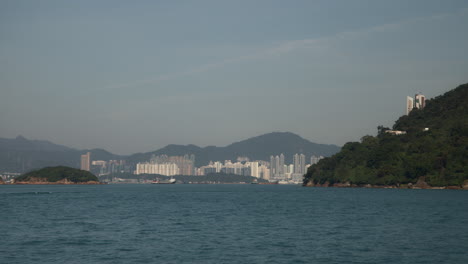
{"x": 439, "y": 154}
{"x": 55, "y": 174}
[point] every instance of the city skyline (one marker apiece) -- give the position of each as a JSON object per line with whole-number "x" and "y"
{"x": 239, "y": 131}
{"x": 275, "y": 170}
{"x": 134, "y": 77}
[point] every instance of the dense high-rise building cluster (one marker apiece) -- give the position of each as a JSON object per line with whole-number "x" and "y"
{"x": 102, "y": 167}
{"x": 299, "y": 164}
{"x": 168, "y": 165}
{"x": 258, "y": 169}
{"x": 185, "y": 164}
{"x": 168, "y": 169}
{"x": 275, "y": 170}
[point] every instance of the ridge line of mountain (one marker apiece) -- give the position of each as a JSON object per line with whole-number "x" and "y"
{"x": 23, "y": 154}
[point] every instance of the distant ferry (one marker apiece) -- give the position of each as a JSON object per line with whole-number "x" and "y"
{"x": 171, "y": 181}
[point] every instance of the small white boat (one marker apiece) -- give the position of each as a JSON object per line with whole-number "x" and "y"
{"x": 171, "y": 181}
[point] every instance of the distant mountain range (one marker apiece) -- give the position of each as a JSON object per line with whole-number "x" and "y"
{"x": 21, "y": 154}
{"x": 256, "y": 148}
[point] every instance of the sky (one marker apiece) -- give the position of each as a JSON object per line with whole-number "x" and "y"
{"x": 135, "y": 76}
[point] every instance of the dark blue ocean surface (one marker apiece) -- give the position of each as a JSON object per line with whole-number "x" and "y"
{"x": 231, "y": 224}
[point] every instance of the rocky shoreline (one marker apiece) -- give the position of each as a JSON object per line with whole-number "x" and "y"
{"x": 420, "y": 184}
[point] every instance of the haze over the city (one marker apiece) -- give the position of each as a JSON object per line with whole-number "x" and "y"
{"x": 134, "y": 76}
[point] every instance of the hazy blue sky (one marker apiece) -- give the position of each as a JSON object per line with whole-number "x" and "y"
{"x": 134, "y": 76}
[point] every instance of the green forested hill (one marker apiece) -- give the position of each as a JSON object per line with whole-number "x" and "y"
{"x": 439, "y": 154}
{"x": 55, "y": 174}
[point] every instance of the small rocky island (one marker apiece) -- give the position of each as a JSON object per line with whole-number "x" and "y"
{"x": 57, "y": 175}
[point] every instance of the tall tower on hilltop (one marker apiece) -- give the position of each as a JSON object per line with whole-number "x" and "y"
{"x": 409, "y": 104}
{"x": 419, "y": 101}
{"x": 86, "y": 161}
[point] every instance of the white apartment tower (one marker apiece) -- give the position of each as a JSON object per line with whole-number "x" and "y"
{"x": 86, "y": 161}
{"x": 419, "y": 102}
{"x": 254, "y": 169}
{"x": 409, "y": 104}
{"x": 167, "y": 169}
{"x": 299, "y": 163}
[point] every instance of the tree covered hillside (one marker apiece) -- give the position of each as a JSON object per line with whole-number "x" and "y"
{"x": 55, "y": 174}
{"x": 440, "y": 154}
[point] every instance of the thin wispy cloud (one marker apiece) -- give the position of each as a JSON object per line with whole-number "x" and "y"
{"x": 288, "y": 47}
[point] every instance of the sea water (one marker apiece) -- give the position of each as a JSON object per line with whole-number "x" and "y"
{"x": 230, "y": 224}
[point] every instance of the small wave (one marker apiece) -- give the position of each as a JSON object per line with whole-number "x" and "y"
{"x": 26, "y": 193}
